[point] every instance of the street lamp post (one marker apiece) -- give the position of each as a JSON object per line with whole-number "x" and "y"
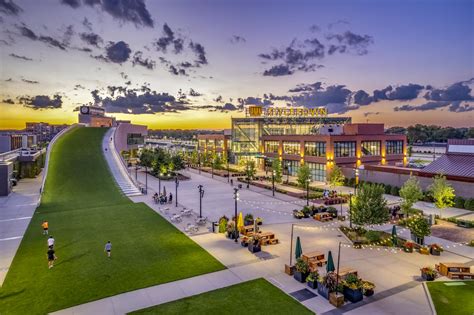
{"x": 228, "y": 172}
{"x": 307, "y": 191}
{"x": 176, "y": 181}
{"x": 287, "y": 172}
{"x": 201, "y": 194}
{"x": 236, "y": 197}
{"x": 273, "y": 183}
{"x": 350, "y": 210}
{"x": 136, "y": 171}
{"x": 146, "y": 180}
{"x": 159, "y": 183}
{"x": 199, "y": 162}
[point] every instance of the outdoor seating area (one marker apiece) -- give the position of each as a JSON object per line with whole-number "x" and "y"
{"x": 315, "y": 212}
{"x": 314, "y": 260}
{"x": 454, "y": 270}
{"x": 323, "y": 217}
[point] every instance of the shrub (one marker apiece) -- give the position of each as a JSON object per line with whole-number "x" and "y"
{"x": 394, "y": 191}
{"x": 372, "y": 236}
{"x": 248, "y": 217}
{"x": 427, "y": 197}
{"x": 469, "y": 204}
{"x": 388, "y": 189}
{"x": 459, "y": 202}
{"x": 223, "y": 224}
{"x": 301, "y": 266}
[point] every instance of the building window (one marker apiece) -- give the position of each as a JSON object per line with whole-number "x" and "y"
{"x": 291, "y": 167}
{"x": 344, "y": 148}
{"x": 315, "y": 148}
{"x": 210, "y": 144}
{"x": 394, "y": 146}
{"x": 202, "y": 144}
{"x": 291, "y": 147}
{"x": 318, "y": 171}
{"x": 219, "y": 144}
{"x": 370, "y": 148}
{"x": 134, "y": 138}
{"x": 271, "y": 146}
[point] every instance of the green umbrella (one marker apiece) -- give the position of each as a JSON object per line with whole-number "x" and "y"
{"x": 298, "y": 249}
{"x": 394, "y": 236}
{"x": 330, "y": 265}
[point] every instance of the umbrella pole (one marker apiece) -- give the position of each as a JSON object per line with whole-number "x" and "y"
{"x": 338, "y": 259}
{"x": 291, "y": 244}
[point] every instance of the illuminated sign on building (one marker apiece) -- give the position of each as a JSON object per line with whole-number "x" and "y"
{"x": 259, "y": 111}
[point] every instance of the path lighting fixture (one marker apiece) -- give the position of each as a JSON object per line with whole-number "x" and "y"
{"x": 236, "y": 198}
{"x": 307, "y": 191}
{"x": 273, "y": 183}
{"x": 201, "y": 194}
{"x": 176, "y": 181}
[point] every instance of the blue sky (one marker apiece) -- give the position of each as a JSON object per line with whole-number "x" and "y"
{"x": 340, "y": 52}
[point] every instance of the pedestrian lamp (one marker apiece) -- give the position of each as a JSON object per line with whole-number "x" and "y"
{"x": 350, "y": 210}
{"x": 356, "y": 173}
{"x": 176, "y": 181}
{"x": 287, "y": 172}
{"x": 199, "y": 162}
{"x": 273, "y": 182}
{"x": 236, "y": 197}
{"x": 201, "y": 194}
{"x": 307, "y": 191}
{"x": 146, "y": 180}
{"x": 159, "y": 183}
{"x": 228, "y": 172}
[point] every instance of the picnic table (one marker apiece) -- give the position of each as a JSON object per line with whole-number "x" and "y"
{"x": 455, "y": 270}
{"x": 247, "y": 229}
{"x": 314, "y": 259}
{"x": 323, "y": 216}
{"x": 268, "y": 238}
{"x": 344, "y": 272}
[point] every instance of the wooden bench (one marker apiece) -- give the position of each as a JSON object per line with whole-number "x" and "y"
{"x": 344, "y": 272}
{"x": 460, "y": 275}
{"x": 455, "y": 270}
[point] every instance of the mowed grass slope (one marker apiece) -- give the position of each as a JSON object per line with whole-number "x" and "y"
{"x": 253, "y": 297}
{"x": 85, "y": 209}
{"x": 452, "y": 300}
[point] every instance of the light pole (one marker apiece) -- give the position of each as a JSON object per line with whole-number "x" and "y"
{"x": 236, "y": 197}
{"x": 287, "y": 172}
{"x": 356, "y": 173}
{"x": 228, "y": 172}
{"x": 201, "y": 194}
{"x": 350, "y": 210}
{"x": 176, "y": 181}
{"x": 136, "y": 170}
{"x": 159, "y": 183}
{"x": 307, "y": 191}
{"x": 199, "y": 162}
{"x": 273, "y": 183}
{"x": 146, "y": 180}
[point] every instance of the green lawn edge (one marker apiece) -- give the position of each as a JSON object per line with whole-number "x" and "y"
{"x": 85, "y": 209}
{"x": 252, "y": 297}
{"x": 452, "y": 300}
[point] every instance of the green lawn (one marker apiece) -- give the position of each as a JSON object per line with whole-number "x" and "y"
{"x": 252, "y": 297}
{"x": 452, "y": 300}
{"x": 85, "y": 209}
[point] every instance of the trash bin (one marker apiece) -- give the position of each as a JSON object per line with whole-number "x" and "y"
{"x": 215, "y": 227}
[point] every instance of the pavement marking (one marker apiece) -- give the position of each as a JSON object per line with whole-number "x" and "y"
{"x": 10, "y": 238}
{"x": 15, "y": 219}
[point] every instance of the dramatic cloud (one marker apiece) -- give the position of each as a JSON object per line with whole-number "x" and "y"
{"x": 405, "y": 92}
{"x": 256, "y": 101}
{"x": 133, "y": 11}
{"x": 459, "y": 91}
{"x": 20, "y": 57}
{"x": 194, "y": 93}
{"x": 278, "y": 70}
{"x": 236, "y": 39}
{"x": 92, "y": 39}
{"x": 41, "y": 101}
{"x": 8, "y": 101}
{"x": 169, "y": 38}
{"x": 87, "y": 24}
{"x": 306, "y": 87}
{"x": 29, "y": 81}
{"x": 350, "y": 42}
{"x": 198, "y": 49}
{"x": 118, "y": 52}
{"x": 424, "y": 107}
{"x": 219, "y": 99}
{"x": 138, "y": 59}
{"x": 457, "y": 107}
{"x": 8, "y": 7}
{"x": 362, "y": 98}
{"x": 28, "y": 33}
{"x": 176, "y": 71}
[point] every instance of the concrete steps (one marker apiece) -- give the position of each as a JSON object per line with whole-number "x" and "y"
{"x": 117, "y": 168}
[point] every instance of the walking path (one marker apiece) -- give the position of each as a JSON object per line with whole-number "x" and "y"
{"x": 16, "y": 211}
{"x": 116, "y": 166}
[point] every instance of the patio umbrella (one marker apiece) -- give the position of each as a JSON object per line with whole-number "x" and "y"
{"x": 164, "y": 190}
{"x": 330, "y": 265}
{"x": 298, "y": 249}
{"x": 394, "y": 236}
{"x": 240, "y": 222}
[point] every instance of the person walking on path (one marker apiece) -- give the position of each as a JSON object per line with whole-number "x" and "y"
{"x": 51, "y": 257}
{"x": 45, "y": 226}
{"x": 108, "y": 248}
{"x": 170, "y": 200}
{"x": 51, "y": 242}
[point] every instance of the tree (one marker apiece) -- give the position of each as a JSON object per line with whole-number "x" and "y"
{"x": 336, "y": 177}
{"x": 442, "y": 192}
{"x": 216, "y": 162}
{"x": 146, "y": 157}
{"x": 410, "y": 192}
{"x": 304, "y": 174}
{"x": 250, "y": 171}
{"x": 369, "y": 206}
{"x": 419, "y": 226}
{"x": 276, "y": 167}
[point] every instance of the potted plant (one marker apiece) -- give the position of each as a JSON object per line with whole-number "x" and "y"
{"x": 248, "y": 219}
{"x": 408, "y": 247}
{"x": 368, "y": 288}
{"x": 254, "y": 244}
{"x": 352, "y": 288}
{"x": 332, "y": 211}
{"x": 306, "y": 211}
{"x": 424, "y": 250}
{"x": 223, "y": 224}
{"x": 298, "y": 214}
{"x": 435, "y": 249}
{"x": 312, "y": 279}
{"x": 259, "y": 221}
{"x": 244, "y": 241}
{"x": 419, "y": 228}
{"x": 428, "y": 273}
{"x": 301, "y": 270}
{"x": 327, "y": 284}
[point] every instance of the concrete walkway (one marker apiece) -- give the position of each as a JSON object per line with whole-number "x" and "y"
{"x": 16, "y": 211}
{"x": 116, "y": 167}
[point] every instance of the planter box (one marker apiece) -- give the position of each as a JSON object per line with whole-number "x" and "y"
{"x": 369, "y": 292}
{"x": 289, "y": 270}
{"x": 435, "y": 252}
{"x": 323, "y": 291}
{"x": 244, "y": 244}
{"x": 254, "y": 248}
{"x": 300, "y": 277}
{"x": 424, "y": 251}
{"x": 312, "y": 284}
{"x": 248, "y": 222}
{"x": 353, "y": 295}
{"x": 427, "y": 277}
{"x": 408, "y": 250}
{"x": 336, "y": 299}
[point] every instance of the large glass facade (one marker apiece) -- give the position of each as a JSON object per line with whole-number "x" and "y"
{"x": 318, "y": 171}
{"x": 271, "y": 146}
{"x": 202, "y": 143}
{"x": 291, "y": 167}
{"x": 394, "y": 146}
{"x": 291, "y": 147}
{"x": 210, "y": 144}
{"x": 220, "y": 144}
{"x": 370, "y": 148}
{"x": 245, "y": 140}
{"x": 344, "y": 148}
{"x": 315, "y": 148}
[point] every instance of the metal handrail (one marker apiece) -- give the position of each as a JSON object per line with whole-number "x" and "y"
{"x": 9, "y": 154}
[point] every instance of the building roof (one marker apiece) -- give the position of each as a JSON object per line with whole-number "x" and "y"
{"x": 452, "y": 164}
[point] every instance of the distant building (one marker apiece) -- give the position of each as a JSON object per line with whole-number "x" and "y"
{"x": 14, "y": 141}
{"x": 44, "y": 131}
{"x": 94, "y": 116}
{"x": 129, "y": 136}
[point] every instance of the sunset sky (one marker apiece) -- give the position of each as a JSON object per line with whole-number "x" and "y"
{"x": 194, "y": 64}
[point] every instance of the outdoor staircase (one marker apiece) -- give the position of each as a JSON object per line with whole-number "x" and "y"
{"x": 117, "y": 166}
